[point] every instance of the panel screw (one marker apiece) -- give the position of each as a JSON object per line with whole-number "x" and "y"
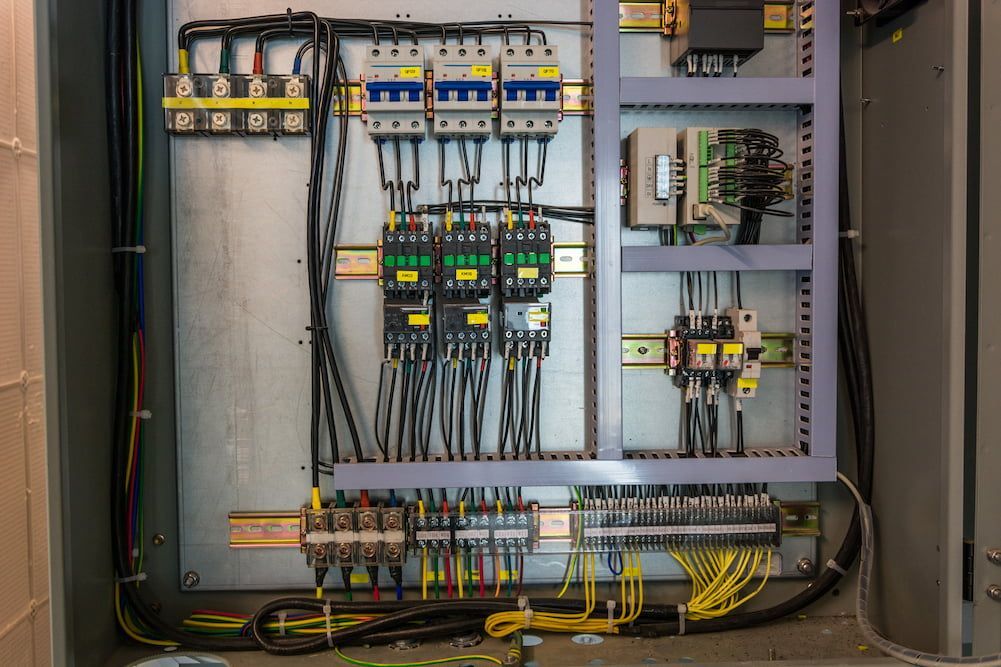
{"x": 994, "y": 592}
{"x": 156, "y": 607}
{"x": 806, "y": 567}
{"x": 159, "y": 540}
{"x": 994, "y": 556}
{"x": 191, "y": 579}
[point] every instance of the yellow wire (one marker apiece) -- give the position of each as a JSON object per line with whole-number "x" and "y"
{"x": 425, "y": 663}
{"x": 131, "y": 631}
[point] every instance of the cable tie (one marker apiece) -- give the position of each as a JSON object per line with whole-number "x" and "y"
{"x": 833, "y": 564}
{"x": 141, "y": 576}
{"x": 288, "y": 12}
{"x": 137, "y": 249}
{"x": 610, "y": 606}
{"x": 849, "y": 234}
{"x": 141, "y": 414}
{"x": 282, "y": 615}
{"x": 682, "y": 610}
{"x": 326, "y": 617}
{"x": 312, "y": 328}
{"x": 527, "y": 608}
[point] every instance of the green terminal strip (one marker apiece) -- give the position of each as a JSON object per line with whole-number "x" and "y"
{"x": 705, "y": 157}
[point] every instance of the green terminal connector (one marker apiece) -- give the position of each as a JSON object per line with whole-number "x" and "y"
{"x": 705, "y": 157}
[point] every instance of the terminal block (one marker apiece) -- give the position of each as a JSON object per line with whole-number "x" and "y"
{"x": 530, "y": 85}
{"x": 406, "y": 330}
{"x": 407, "y": 262}
{"x": 235, "y": 104}
{"x": 526, "y": 261}
{"x": 353, "y": 536}
{"x": 463, "y": 90}
{"x": 476, "y": 531}
{"x": 466, "y": 263}
{"x": 526, "y": 328}
{"x": 394, "y": 99}
{"x": 466, "y": 329}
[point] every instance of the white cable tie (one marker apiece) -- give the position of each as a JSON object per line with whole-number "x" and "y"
{"x": 137, "y": 249}
{"x": 141, "y": 576}
{"x": 282, "y": 615}
{"x": 682, "y": 610}
{"x": 610, "y": 606}
{"x": 833, "y": 564}
{"x": 326, "y": 617}
{"x": 849, "y": 234}
{"x": 141, "y": 414}
{"x": 527, "y": 608}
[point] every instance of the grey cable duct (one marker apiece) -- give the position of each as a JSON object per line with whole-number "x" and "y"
{"x": 888, "y": 647}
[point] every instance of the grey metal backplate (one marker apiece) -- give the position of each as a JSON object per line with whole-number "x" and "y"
{"x": 242, "y": 350}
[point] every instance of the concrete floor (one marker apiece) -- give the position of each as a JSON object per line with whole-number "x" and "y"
{"x": 819, "y": 640}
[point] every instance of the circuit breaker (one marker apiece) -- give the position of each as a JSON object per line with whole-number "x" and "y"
{"x": 466, "y": 263}
{"x": 526, "y": 261}
{"x": 656, "y": 177}
{"x": 463, "y": 90}
{"x": 394, "y": 99}
{"x": 529, "y": 90}
{"x": 236, "y": 104}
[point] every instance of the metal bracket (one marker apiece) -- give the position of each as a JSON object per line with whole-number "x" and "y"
{"x": 258, "y": 530}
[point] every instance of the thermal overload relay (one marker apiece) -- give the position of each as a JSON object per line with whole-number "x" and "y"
{"x": 466, "y": 329}
{"x": 466, "y": 262}
{"x": 526, "y": 261}
{"x": 530, "y": 86}
{"x": 526, "y": 328}
{"x": 393, "y": 81}
{"x": 463, "y": 90}
{"x": 407, "y": 263}
{"x": 236, "y": 104}
{"x": 406, "y": 330}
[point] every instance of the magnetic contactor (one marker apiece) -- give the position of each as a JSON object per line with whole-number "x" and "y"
{"x": 526, "y": 261}
{"x": 407, "y": 262}
{"x": 466, "y": 263}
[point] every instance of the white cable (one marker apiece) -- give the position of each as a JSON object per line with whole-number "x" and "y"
{"x": 888, "y": 647}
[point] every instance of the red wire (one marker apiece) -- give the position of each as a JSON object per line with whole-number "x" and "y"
{"x": 531, "y": 219}
{"x": 258, "y": 63}
{"x": 375, "y": 592}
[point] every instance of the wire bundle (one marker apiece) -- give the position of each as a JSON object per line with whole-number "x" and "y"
{"x": 719, "y": 576}
{"x": 414, "y": 410}
{"x": 521, "y": 406}
{"x": 463, "y": 402}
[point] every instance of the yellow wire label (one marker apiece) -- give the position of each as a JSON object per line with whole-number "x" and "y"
{"x": 406, "y": 276}
{"x": 466, "y": 274}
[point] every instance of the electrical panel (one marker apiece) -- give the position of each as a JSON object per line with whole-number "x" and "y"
{"x": 463, "y": 89}
{"x": 656, "y": 177}
{"x": 530, "y": 84}
{"x": 394, "y": 90}
{"x": 234, "y": 104}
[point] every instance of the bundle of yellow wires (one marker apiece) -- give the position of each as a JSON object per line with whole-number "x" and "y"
{"x": 505, "y": 623}
{"x": 718, "y": 577}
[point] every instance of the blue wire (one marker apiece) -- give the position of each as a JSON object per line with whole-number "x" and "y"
{"x": 618, "y": 555}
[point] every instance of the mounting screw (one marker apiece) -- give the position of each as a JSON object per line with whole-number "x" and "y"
{"x": 994, "y": 592}
{"x": 806, "y": 567}
{"x": 393, "y": 550}
{"x": 994, "y": 556}
{"x": 159, "y": 540}
{"x": 344, "y": 551}
{"x": 191, "y": 579}
{"x": 156, "y": 607}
